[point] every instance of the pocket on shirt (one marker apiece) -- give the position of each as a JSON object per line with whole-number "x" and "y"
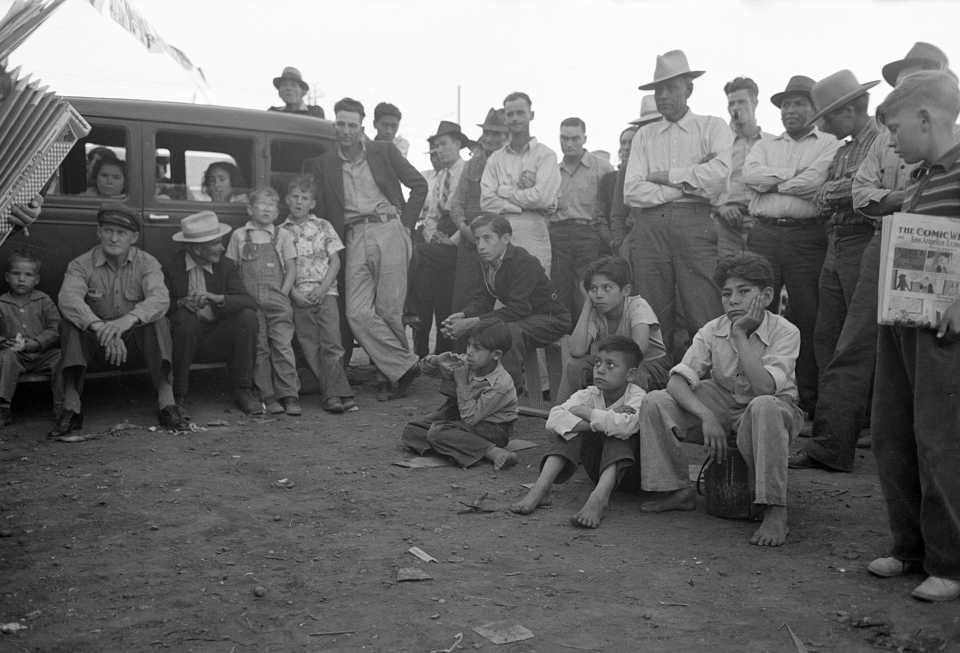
{"x": 133, "y": 293}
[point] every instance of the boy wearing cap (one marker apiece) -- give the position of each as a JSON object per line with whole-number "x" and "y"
{"x": 292, "y": 89}
{"x": 113, "y": 299}
{"x": 916, "y": 415}
{"x": 209, "y": 308}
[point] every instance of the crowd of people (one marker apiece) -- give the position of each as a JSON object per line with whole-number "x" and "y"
{"x": 661, "y": 282}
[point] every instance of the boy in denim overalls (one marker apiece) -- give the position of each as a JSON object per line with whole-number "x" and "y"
{"x": 267, "y": 257}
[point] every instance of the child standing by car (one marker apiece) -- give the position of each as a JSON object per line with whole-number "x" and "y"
{"x": 267, "y": 257}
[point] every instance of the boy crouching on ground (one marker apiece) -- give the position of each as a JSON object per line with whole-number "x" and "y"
{"x": 486, "y": 401}
{"x": 595, "y": 427}
{"x": 738, "y": 374}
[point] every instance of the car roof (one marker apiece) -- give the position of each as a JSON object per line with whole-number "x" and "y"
{"x": 203, "y": 115}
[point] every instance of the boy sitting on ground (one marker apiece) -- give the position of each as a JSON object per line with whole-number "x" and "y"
{"x": 739, "y": 373}
{"x": 485, "y": 398}
{"x": 609, "y": 310}
{"x": 595, "y": 427}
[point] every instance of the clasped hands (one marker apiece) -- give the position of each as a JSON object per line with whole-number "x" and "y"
{"x": 110, "y": 337}
{"x": 457, "y": 325}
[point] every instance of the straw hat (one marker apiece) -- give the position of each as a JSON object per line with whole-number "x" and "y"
{"x": 203, "y": 227}
{"x": 669, "y": 65}
{"x": 648, "y": 112}
{"x": 921, "y": 54}
{"x": 836, "y": 90}
{"x": 798, "y": 85}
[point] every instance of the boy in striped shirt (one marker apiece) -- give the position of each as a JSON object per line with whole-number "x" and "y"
{"x": 916, "y": 415}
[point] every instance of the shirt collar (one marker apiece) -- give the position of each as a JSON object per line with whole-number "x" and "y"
{"x": 947, "y": 161}
{"x": 526, "y": 148}
{"x": 628, "y": 392}
{"x": 870, "y": 127}
{"x": 100, "y": 259}
{"x": 256, "y": 226}
{"x": 586, "y": 160}
{"x": 763, "y": 331}
{"x": 491, "y": 376}
{"x": 813, "y": 133}
{"x": 9, "y": 298}
{"x": 683, "y": 123}
{"x": 193, "y": 263}
{"x": 363, "y": 153}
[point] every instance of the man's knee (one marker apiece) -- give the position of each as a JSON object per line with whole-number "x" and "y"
{"x": 763, "y": 405}
{"x": 8, "y": 359}
{"x": 659, "y": 399}
{"x": 184, "y": 323}
{"x": 245, "y": 321}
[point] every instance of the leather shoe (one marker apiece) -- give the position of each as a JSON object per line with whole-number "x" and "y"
{"x": 333, "y": 405}
{"x": 171, "y": 418}
{"x": 937, "y": 589}
{"x": 68, "y": 421}
{"x": 802, "y": 460}
{"x": 248, "y": 402}
{"x": 349, "y": 404}
{"x": 402, "y": 387}
{"x": 890, "y": 567}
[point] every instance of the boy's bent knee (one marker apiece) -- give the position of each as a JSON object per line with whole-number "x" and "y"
{"x": 764, "y": 405}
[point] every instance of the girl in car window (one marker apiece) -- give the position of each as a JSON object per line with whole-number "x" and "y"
{"x": 220, "y": 182}
{"x": 110, "y": 178}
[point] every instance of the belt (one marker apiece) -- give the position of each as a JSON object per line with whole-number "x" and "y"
{"x": 787, "y": 222}
{"x": 579, "y": 221}
{"x": 370, "y": 219}
{"x": 852, "y": 228}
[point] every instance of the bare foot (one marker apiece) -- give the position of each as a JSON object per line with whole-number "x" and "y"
{"x": 773, "y": 530}
{"x": 682, "y": 499}
{"x": 591, "y": 513}
{"x": 534, "y": 499}
{"x": 501, "y": 458}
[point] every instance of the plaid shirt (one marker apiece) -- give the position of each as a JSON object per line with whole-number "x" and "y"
{"x": 834, "y": 200}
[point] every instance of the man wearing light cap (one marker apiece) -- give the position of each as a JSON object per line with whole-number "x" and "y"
{"x": 677, "y": 167}
{"x": 210, "y": 308}
{"x": 292, "y": 90}
{"x": 113, "y": 300}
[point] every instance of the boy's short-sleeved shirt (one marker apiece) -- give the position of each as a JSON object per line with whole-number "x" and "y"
{"x": 603, "y": 418}
{"x": 712, "y": 354}
{"x": 636, "y": 310}
{"x": 316, "y": 242}
{"x": 261, "y": 235}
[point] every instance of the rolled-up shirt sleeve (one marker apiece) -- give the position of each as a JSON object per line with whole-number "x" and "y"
{"x": 780, "y": 358}
{"x": 560, "y": 420}
{"x": 697, "y": 362}
{"x": 617, "y": 424}
{"x": 867, "y": 184}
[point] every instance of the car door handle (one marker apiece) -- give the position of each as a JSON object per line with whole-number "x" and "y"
{"x": 156, "y": 217}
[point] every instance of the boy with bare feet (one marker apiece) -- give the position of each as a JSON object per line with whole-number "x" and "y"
{"x": 481, "y": 424}
{"x": 595, "y": 427}
{"x": 738, "y": 375}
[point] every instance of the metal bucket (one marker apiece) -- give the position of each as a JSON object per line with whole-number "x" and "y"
{"x": 726, "y": 488}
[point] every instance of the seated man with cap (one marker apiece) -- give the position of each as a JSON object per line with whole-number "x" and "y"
{"x": 210, "y": 308}
{"x": 292, "y": 89}
{"x": 113, "y": 300}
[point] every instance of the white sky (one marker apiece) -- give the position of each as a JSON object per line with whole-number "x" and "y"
{"x": 574, "y": 57}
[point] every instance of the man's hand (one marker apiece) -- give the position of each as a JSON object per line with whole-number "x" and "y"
{"x": 583, "y": 412}
{"x": 661, "y": 177}
{"x": 116, "y": 352}
{"x": 625, "y": 409}
{"x": 441, "y": 238}
{"x": 732, "y": 214}
{"x": 714, "y": 439}
{"x": 528, "y": 179}
{"x": 749, "y": 321}
{"x": 114, "y": 330}
{"x": 300, "y": 300}
{"x": 949, "y": 326}
{"x": 25, "y": 215}
{"x": 457, "y": 327}
{"x": 466, "y": 232}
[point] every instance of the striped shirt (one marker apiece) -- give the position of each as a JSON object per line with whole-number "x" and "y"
{"x": 935, "y": 189}
{"x": 835, "y": 198}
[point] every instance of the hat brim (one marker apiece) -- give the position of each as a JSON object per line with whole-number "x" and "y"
{"x": 646, "y": 120}
{"x": 892, "y": 70}
{"x": 222, "y": 231}
{"x": 839, "y": 102}
{"x": 303, "y": 84}
{"x": 464, "y": 139}
{"x": 494, "y": 128}
{"x": 649, "y": 86}
{"x": 777, "y": 98}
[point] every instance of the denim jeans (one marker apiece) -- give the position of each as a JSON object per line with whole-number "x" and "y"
{"x": 916, "y": 422}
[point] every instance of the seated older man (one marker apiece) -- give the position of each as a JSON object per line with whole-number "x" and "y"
{"x": 113, "y": 300}
{"x": 210, "y": 308}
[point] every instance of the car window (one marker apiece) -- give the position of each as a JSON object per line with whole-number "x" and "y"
{"x": 286, "y": 160}
{"x": 197, "y": 167}
{"x": 96, "y": 166}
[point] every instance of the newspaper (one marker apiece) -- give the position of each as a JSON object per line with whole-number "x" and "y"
{"x": 919, "y": 269}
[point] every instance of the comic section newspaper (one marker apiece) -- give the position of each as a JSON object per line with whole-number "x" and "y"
{"x": 919, "y": 269}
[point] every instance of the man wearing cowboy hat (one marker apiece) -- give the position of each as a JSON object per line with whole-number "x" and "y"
{"x": 842, "y": 102}
{"x": 576, "y": 229}
{"x": 845, "y": 385}
{"x": 292, "y": 89}
{"x": 434, "y": 262}
{"x": 210, "y": 308}
{"x": 677, "y": 166}
{"x": 784, "y": 172}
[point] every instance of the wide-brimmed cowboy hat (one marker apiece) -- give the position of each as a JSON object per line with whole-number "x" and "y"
{"x": 291, "y": 73}
{"x": 202, "y": 227}
{"x": 669, "y": 65}
{"x": 448, "y": 128}
{"x": 648, "y": 112}
{"x": 836, "y": 90}
{"x": 921, "y": 54}
{"x": 798, "y": 85}
{"x": 495, "y": 121}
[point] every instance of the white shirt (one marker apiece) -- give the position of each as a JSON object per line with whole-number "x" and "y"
{"x": 603, "y": 419}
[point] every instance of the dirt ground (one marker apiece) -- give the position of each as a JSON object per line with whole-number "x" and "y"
{"x": 143, "y": 541}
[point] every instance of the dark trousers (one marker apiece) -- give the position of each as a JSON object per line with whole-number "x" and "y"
{"x": 533, "y": 331}
{"x": 596, "y": 451}
{"x": 468, "y": 276}
{"x": 433, "y": 269}
{"x": 464, "y": 443}
{"x": 796, "y": 252}
{"x": 838, "y": 280}
{"x": 845, "y": 385}
{"x": 916, "y": 421}
{"x": 573, "y": 247}
{"x": 232, "y": 338}
{"x": 673, "y": 253}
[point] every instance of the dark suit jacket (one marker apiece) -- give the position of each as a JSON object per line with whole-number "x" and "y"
{"x": 522, "y": 287}
{"x": 225, "y": 281}
{"x": 389, "y": 169}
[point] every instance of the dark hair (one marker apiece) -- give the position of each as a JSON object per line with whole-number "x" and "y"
{"x": 519, "y": 95}
{"x": 624, "y": 345}
{"x": 631, "y": 128}
{"x": 23, "y": 255}
{"x": 386, "y": 109}
{"x": 615, "y": 268}
{"x": 305, "y": 183}
{"x": 742, "y": 84}
{"x": 117, "y": 163}
{"x": 750, "y": 267}
{"x": 236, "y": 179}
{"x": 499, "y": 224}
{"x": 349, "y": 104}
{"x": 574, "y": 122}
{"x": 268, "y": 192}
{"x": 491, "y": 335}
